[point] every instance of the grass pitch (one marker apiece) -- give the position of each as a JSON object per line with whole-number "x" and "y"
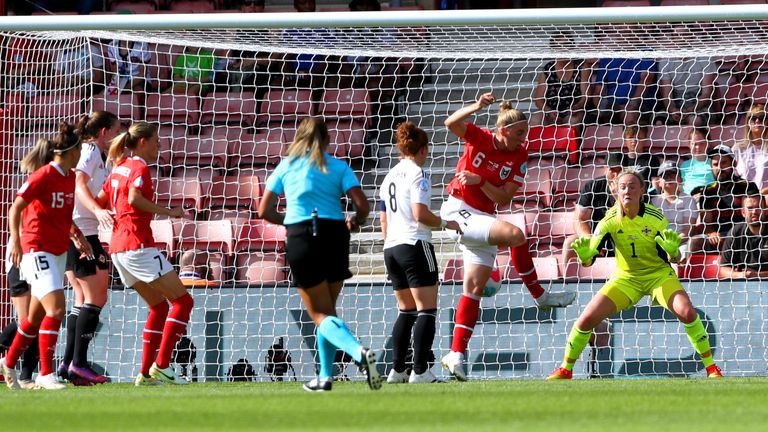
{"x": 731, "y": 404}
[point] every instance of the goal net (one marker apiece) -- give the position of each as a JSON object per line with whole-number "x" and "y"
{"x": 227, "y": 101}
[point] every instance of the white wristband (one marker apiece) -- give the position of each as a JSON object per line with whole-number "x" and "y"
{"x": 443, "y": 223}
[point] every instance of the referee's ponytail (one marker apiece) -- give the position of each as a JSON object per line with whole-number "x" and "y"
{"x": 311, "y": 141}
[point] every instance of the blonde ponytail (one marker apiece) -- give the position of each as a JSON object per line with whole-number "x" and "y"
{"x": 311, "y": 141}
{"x": 40, "y": 155}
{"x": 509, "y": 115}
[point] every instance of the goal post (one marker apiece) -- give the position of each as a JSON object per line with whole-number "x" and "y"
{"x": 227, "y": 91}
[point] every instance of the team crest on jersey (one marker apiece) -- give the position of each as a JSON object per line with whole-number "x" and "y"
{"x": 69, "y": 198}
{"x": 505, "y": 172}
{"x": 423, "y": 185}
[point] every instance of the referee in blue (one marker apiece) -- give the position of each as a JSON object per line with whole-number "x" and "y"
{"x": 317, "y": 244}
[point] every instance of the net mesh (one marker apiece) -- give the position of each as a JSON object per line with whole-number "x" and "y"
{"x": 227, "y": 101}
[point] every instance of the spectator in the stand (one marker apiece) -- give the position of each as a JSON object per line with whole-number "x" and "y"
{"x": 686, "y": 86}
{"x": 193, "y": 72}
{"x": 252, "y": 6}
{"x": 745, "y": 251}
{"x": 305, "y": 69}
{"x": 562, "y": 88}
{"x": 720, "y": 202}
{"x": 127, "y": 66}
{"x": 697, "y": 171}
{"x": 678, "y": 207}
{"x": 752, "y": 152}
{"x": 193, "y": 269}
{"x": 636, "y": 155}
{"x": 623, "y": 89}
{"x": 596, "y": 197}
{"x": 79, "y": 67}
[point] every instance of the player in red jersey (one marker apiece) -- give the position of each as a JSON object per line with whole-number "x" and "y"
{"x": 40, "y": 224}
{"x": 489, "y": 173}
{"x": 141, "y": 266}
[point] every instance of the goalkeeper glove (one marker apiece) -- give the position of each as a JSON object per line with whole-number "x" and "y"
{"x": 669, "y": 240}
{"x": 583, "y": 248}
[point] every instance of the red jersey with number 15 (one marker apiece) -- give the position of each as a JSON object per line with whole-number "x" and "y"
{"x": 46, "y": 221}
{"x": 497, "y": 167}
{"x": 132, "y": 229}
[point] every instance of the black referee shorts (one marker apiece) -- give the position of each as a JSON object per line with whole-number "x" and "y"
{"x": 314, "y": 259}
{"x": 84, "y": 267}
{"x": 411, "y": 266}
{"x": 18, "y": 286}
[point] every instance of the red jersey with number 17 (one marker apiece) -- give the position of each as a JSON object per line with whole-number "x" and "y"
{"x": 497, "y": 167}
{"x": 132, "y": 229}
{"x": 46, "y": 221}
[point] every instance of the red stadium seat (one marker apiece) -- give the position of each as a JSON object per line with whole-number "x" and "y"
{"x": 235, "y": 192}
{"x": 260, "y": 235}
{"x": 171, "y": 108}
{"x": 670, "y": 140}
{"x": 702, "y": 266}
{"x": 516, "y": 219}
{"x": 229, "y": 108}
{"x": 261, "y": 268}
{"x": 536, "y": 191}
{"x": 283, "y": 107}
{"x": 207, "y": 235}
{"x": 346, "y": 103}
{"x": 599, "y": 270}
{"x": 257, "y": 150}
{"x": 728, "y": 135}
{"x": 598, "y": 139}
{"x": 192, "y": 6}
{"x": 194, "y": 151}
{"x": 549, "y": 230}
{"x": 179, "y": 192}
{"x": 553, "y": 141}
{"x": 454, "y": 269}
{"x": 126, "y": 106}
{"x": 546, "y": 268}
{"x": 53, "y": 108}
{"x": 567, "y": 183}
{"x": 162, "y": 231}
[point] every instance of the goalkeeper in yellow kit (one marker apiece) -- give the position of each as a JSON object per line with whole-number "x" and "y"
{"x": 644, "y": 247}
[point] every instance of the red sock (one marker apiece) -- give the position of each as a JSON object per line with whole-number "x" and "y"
{"x": 175, "y": 327}
{"x": 153, "y": 334}
{"x": 521, "y": 259}
{"x": 466, "y": 318}
{"x": 25, "y": 334}
{"x": 49, "y": 333}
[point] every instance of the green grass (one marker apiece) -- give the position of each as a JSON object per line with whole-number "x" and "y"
{"x": 735, "y": 404}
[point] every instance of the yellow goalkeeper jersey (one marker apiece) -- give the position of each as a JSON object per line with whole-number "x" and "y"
{"x": 637, "y": 253}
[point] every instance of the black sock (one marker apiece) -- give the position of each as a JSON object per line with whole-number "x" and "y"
{"x": 423, "y": 336}
{"x": 29, "y": 360}
{"x": 401, "y": 337}
{"x": 6, "y": 337}
{"x": 84, "y": 331}
{"x": 69, "y": 350}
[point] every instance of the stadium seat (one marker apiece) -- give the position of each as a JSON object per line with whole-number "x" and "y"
{"x": 206, "y": 235}
{"x": 204, "y": 175}
{"x": 536, "y": 191}
{"x": 626, "y": 3}
{"x": 125, "y": 106}
{"x": 598, "y": 139}
{"x": 285, "y": 107}
{"x": 260, "y": 235}
{"x": 601, "y": 269}
{"x": 134, "y": 6}
{"x": 261, "y": 268}
{"x": 670, "y": 140}
{"x": 567, "y": 183}
{"x": 454, "y": 269}
{"x": 702, "y": 266}
{"x": 236, "y": 108}
{"x": 516, "y": 219}
{"x": 237, "y": 217}
{"x": 553, "y": 141}
{"x": 728, "y": 135}
{"x": 549, "y": 229}
{"x": 684, "y": 2}
{"x": 192, "y": 6}
{"x": 546, "y": 268}
{"x": 234, "y": 192}
{"x": 194, "y": 151}
{"x": 162, "y": 231}
{"x": 265, "y": 148}
{"x": 171, "y": 108}
{"x": 179, "y": 192}
{"x": 53, "y": 108}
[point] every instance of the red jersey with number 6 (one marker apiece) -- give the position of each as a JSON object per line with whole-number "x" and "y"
{"x": 46, "y": 221}
{"x": 132, "y": 229}
{"x": 497, "y": 167}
